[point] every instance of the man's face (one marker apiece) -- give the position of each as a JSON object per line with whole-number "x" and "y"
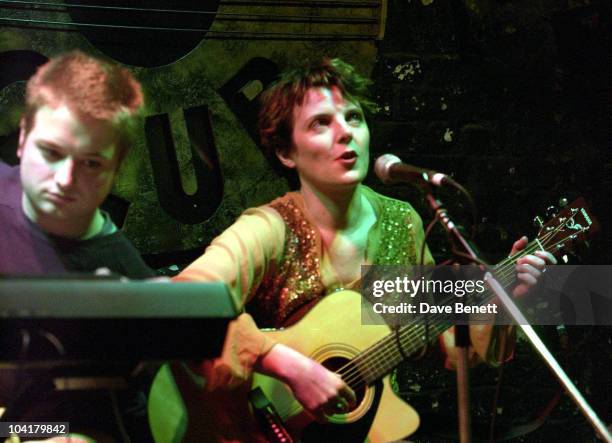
{"x": 331, "y": 140}
{"x": 67, "y": 166}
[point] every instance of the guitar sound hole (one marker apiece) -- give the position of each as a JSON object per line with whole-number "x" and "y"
{"x": 349, "y": 374}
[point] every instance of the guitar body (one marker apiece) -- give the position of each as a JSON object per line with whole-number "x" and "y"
{"x": 332, "y": 333}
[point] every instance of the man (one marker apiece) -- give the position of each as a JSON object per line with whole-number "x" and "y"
{"x": 76, "y": 130}
{"x": 73, "y": 137}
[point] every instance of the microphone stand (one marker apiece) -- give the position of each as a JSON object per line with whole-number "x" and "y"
{"x": 550, "y": 360}
{"x": 519, "y": 318}
{"x": 462, "y": 332}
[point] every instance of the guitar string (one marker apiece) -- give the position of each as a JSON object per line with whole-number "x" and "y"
{"x": 211, "y": 33}
{"x": 218, "y": 14}
{"x": 411, "y": 335}
{"x": 386, "y": 347}
{"x": 352, "y": 374}
{"x": 544, "y": 245}
{"x": 389, "y": 349}
{"x": 387, "y": 342}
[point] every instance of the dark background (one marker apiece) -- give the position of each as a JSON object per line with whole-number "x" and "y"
{"x": 525, "y": 89}
{"x": 511, "y": 98}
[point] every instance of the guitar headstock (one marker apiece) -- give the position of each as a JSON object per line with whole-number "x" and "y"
{"x": 570, "y": 227}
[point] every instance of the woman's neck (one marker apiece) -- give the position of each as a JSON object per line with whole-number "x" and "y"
{"x": 337, "y": 211}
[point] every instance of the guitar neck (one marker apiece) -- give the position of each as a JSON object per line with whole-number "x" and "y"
{"x": 572, "y": 225}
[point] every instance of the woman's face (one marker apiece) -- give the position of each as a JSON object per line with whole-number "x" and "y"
{"x": 331, "y": 141}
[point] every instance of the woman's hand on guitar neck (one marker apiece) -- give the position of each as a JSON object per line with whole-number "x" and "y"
{"x": 530, "y": 267}
{"x": 320, "y": 391}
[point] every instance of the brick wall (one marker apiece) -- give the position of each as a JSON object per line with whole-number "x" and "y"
{"x": 511, "y": 98}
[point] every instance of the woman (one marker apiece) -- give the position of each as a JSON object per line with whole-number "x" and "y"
{"x": 279, "y": 257}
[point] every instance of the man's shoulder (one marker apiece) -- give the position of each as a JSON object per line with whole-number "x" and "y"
{"x": 4, "y": 168}
{"x": 10, "y": 183}
{"x": 116, "y": 252}
{"x": 8, "y": 172}
{"x": 10, "y": 197}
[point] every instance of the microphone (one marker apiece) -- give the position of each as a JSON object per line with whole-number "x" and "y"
{"x": 390, "y": 169}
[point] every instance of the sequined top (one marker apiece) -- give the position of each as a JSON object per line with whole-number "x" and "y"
{"x": 298, "y": 280}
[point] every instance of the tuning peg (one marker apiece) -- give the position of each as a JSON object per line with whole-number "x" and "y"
{"x": 551, "y": 211}
{"x": 538, "y": 222}
{"x": 563, "y": 202}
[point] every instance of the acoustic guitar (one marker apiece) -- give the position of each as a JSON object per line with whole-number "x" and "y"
{"x": 332, "y": 333}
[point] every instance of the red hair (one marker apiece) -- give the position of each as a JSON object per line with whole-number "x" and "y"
{"x": 93, "y": 89}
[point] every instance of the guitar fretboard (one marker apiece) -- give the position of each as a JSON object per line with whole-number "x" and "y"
{"x": 380, "y": 358}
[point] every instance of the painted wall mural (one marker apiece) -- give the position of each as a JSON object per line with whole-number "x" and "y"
{"x": 195, "y": 165}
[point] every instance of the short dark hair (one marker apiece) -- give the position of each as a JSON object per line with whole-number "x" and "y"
{"x": 91, "y": 88}
{"x": 279, "y": 100}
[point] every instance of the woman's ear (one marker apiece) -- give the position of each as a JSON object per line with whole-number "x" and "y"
{"x": 285, "y": 158}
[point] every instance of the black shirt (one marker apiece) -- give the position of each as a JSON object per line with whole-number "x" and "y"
{"x": 27, "y": 250}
